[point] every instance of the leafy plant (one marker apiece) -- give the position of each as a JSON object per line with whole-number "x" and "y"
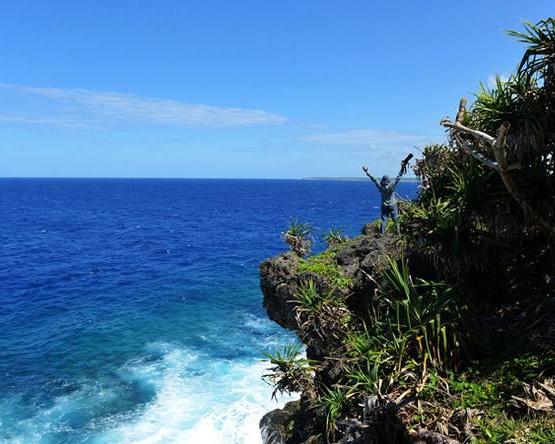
{"x": 413, "y": 328}
{"x": 310, "y": 298}
{"x": 334, "y": 237}
{"x": 290, "y": 371}
{"x": 426, "y": 311}
{"x": 325, "y": 265}
{"x": 320, "y": 314}
{"x": 299, "y": 237}
{"x": 335, "y": 403}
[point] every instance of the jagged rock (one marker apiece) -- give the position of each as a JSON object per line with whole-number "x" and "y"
{"x": 279, "y": 276}
{"x": 276, "y": 426}
{"x": 296, "y": 423}
{"x": 278, "y": 280}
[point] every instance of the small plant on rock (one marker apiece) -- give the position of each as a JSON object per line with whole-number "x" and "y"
{"x": 335, "y": 237}
{"x": 325, "y": 265}
{"x": 290, "y": 371}
{"x": 335, "y": 403}
{"x": 299, "y": 237}
{"x": 321, "y": 314}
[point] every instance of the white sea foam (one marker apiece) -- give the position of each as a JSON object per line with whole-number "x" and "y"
{"x": 197, "y": 400}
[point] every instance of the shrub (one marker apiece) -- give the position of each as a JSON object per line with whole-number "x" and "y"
{"x": 335, "y": 403}
{"x": 320, "y": 315}
{"x": 415, "y": 326}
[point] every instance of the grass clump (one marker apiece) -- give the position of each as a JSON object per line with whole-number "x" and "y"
{"x": 324, "y": 265}
{"x": 334, "y": 402}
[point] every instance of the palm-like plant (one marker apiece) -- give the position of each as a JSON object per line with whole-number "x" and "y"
{"x": 425, "y": 311}
{"x": 540, "y": 53}
{"x": 290, "y": 371}
{"x": 299, "y": 237}
{"x": 334, "y": 236}
{"x": 335, "y": 403}
{"x": 321, "y": 314}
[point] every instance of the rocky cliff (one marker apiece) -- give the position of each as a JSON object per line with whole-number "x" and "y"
{"x": 351, "y": 392}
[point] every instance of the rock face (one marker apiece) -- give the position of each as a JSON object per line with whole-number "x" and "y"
{"x": 357, "y": 258}
{"x": 278, "y": 280}
{"x": 295, "y": 423}
{"x": 275, "y": 425}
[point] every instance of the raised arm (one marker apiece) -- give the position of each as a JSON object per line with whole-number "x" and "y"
{"x": 398, "y": 178}
{"x": 365, "y": 169}
{"x": 403, "y": 169}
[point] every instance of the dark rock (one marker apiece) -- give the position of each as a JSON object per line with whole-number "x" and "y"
{"x": 297, "y": 423}
{"x": 278, "y": 280}
{"x": 301, "y": 422}
{"x": 279, "y": 276}
{"x": 276, "y": 426}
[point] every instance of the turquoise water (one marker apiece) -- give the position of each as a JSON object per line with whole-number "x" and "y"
{"x": 130, "y": 309}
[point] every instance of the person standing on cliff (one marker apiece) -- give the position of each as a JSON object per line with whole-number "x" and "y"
{"x": 386, "y": 186}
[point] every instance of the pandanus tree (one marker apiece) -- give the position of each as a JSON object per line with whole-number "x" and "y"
{"x": 510, "y": 128}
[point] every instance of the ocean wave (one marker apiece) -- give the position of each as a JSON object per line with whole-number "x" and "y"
{"x": 197, "y": 400}
{"x": 189, "y": 398}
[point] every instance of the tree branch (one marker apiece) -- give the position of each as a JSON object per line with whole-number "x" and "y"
{"x": 500, "y": 164}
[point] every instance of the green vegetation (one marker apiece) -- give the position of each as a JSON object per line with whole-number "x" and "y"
{"x": 299, "y": 237}
{"x": 458, "y": 337}
{"x": 310, "y": 299}
{"x": 324, "y": 265}
{"x": 321, "y": 314}
{"x": 334, "y": 237}
{"x": 334, "y": 402}
{"x": 290, "y": 371}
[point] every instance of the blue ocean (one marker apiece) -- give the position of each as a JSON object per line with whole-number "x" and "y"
{"x": 130, "y": 310}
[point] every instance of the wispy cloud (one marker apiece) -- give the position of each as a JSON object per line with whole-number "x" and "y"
{"x": 79, "y": 107}
{"x": 373, "y": 138}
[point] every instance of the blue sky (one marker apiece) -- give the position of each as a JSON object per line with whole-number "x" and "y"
{"x": 226, "y": 88}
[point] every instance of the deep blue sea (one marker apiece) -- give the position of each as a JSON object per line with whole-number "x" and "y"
{"x": 130, "y": 310}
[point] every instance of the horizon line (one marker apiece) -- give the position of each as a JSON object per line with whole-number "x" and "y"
{"x": 324, "y": 178}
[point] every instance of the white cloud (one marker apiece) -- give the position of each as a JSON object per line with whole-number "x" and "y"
{"x": 369, "y": 138}
{"x": 83, "y": 107}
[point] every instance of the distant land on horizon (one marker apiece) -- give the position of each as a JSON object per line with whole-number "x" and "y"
{"x": 404, "y": 179}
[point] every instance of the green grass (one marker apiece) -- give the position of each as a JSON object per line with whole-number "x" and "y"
{"x": 324, "y": 265}
{"x": 527, "y": 430}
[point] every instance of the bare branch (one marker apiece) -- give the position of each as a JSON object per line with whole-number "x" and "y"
{"x": 477, "y": 155}
{"x": 460, "y": 127}
{"x": 500, "y": 164}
